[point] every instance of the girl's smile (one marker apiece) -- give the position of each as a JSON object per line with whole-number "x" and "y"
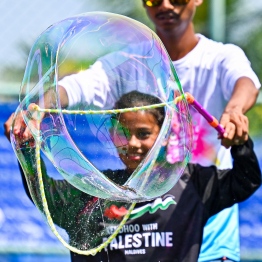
{"x": 143, "y": 130}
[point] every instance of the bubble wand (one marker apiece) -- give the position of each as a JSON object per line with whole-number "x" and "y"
{"x": 210, "y": 119}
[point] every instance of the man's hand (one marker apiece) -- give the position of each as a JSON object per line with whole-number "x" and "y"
{"x": 236, "y": 125}
{"x": 20, "y": 130}
{"x": 7, "y": 126}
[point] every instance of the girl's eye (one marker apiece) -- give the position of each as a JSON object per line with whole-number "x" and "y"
{"x": 143, "y": 134}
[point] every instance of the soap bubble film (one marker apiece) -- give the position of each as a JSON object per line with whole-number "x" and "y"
{"x": 72, "y": 162}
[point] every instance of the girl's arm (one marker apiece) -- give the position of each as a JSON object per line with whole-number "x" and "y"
{"x": 220, "y": 189}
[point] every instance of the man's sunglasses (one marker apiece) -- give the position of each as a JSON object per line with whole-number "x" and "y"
{"x": 159, "y": 2}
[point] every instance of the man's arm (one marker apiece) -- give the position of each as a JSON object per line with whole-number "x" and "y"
{"x": 244, "y": 96}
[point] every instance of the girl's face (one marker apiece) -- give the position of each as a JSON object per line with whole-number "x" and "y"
{"x": 143, "y": 129}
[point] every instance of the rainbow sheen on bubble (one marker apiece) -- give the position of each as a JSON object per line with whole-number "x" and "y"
{"x": 72, "y": 163}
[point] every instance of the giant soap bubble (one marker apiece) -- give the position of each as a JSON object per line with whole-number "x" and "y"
{"x": 72, "y": 162}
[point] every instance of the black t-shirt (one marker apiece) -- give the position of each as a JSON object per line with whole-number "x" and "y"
{"x": 170, "y": 228}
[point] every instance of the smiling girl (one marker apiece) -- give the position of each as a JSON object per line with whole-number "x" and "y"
{"x": 141, "y": 127}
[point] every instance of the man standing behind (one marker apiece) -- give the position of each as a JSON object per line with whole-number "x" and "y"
{"x": 219, "y": 76}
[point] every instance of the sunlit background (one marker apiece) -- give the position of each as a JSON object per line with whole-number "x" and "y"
{"x": 23, "y": 234}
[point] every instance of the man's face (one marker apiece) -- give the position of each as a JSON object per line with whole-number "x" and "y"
{"x": 169, "y": 17}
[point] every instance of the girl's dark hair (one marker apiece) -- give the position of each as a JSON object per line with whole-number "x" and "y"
{"x": 137, "y": 99}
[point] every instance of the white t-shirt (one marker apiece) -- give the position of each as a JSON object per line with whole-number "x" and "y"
{"x": 137, "y": 67}
{"x": 209, "y": 72}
